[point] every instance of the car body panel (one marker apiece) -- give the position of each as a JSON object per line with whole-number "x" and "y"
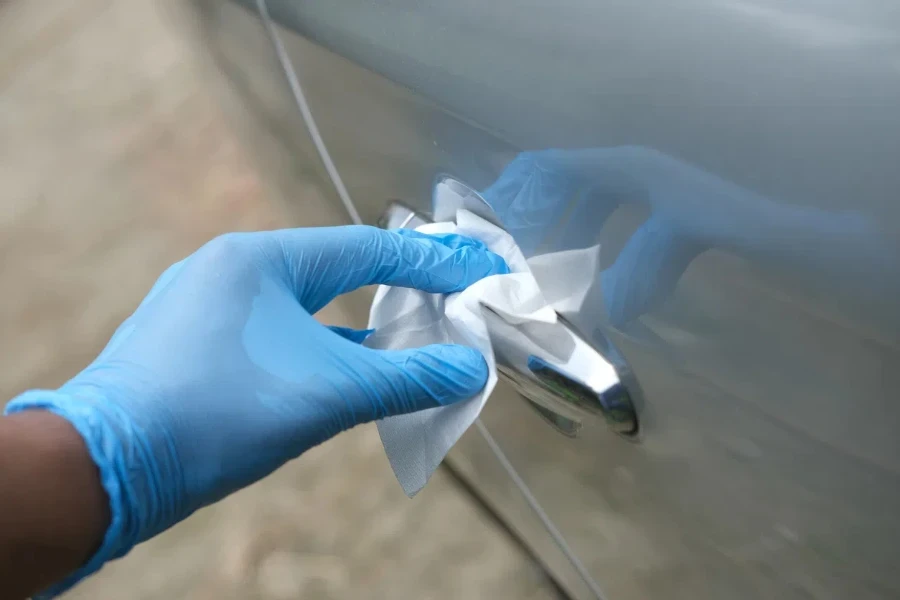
{"x": 737, "y": 162}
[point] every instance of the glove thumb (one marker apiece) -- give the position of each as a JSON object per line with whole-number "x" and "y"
{"x": 432, "y": 376}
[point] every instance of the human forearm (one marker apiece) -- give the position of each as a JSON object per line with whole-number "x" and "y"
{"x": 53, "y": 509}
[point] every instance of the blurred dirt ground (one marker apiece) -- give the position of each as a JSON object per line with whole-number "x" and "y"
{"x": 114, "y": 163}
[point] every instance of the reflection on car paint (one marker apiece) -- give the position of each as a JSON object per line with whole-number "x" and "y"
{"x": 559, "y": 199}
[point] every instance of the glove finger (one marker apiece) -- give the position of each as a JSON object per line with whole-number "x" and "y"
{"x": 435, "y": 375}
{"x": 329, "y": 261}
{"x": 451, "y": 240}
{"x": 357, "y": 336}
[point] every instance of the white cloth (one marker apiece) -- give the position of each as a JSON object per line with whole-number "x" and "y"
{"x": 403, "y": 318}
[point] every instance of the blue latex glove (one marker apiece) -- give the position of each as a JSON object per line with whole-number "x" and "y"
{"x": 222, "y": 375}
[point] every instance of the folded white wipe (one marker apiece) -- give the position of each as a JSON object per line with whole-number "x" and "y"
{"x": 403, "y": 318}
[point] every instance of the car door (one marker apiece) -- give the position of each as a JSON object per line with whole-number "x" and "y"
{"x": 737, "y": 164}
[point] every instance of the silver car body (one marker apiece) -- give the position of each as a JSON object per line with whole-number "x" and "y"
{"x": 738, "y": 161}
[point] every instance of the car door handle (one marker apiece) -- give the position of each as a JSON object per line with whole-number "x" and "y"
{"x": 563, "y": 376}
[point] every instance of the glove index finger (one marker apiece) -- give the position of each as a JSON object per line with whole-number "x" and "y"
{"x": 326, "y": 262}
{"x": 453, "y": 241}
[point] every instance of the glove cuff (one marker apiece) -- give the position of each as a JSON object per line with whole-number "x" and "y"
{"x": 101, "y": 433}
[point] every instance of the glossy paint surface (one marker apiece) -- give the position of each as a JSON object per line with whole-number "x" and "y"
{"x": 739, "y": 164}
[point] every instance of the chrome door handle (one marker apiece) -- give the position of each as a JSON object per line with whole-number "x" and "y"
{"x": 565, "y": 378}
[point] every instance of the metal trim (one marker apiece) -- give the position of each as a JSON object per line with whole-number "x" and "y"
{"x": 300, "y": 99}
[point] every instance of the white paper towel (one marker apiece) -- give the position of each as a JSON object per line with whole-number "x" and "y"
{"x": 403, "y": 318}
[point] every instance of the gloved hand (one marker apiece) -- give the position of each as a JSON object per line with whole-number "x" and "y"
{"x": 222, "y": 375}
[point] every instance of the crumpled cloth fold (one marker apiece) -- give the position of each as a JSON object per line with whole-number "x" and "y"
{"x": 416, "y": 443}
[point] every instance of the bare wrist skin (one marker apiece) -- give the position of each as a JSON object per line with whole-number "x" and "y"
{"x": 53, "y": 509}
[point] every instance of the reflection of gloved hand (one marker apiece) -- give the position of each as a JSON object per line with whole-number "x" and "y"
{"x": 222, "y": 375}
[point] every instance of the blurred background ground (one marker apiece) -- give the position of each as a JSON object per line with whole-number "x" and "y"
{"x": 115, "y": 161}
